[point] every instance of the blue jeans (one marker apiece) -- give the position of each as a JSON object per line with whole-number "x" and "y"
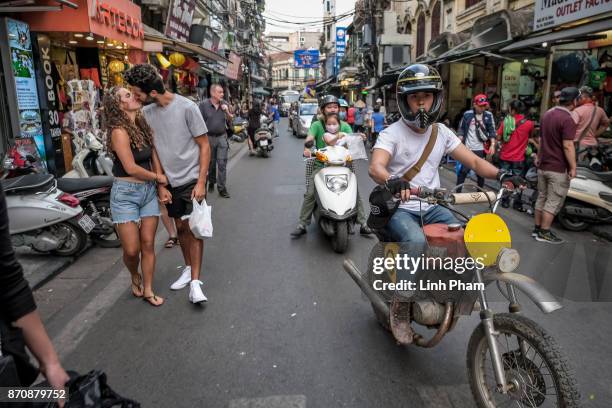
{"x": 132, "y": 201}
{"x": 405, "y": 225}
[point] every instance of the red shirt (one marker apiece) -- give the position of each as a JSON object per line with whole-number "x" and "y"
{"x": 514, "y": 150}
{"x": 350, "y": 115}
{"x": 556, "y": 126}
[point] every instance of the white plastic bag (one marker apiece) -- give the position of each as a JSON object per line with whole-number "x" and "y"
{"x": 354, "y": 143}
{"x": 200, "y": 220}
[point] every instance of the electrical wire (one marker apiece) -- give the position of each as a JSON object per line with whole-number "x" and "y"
{"x": 319, "y": 21}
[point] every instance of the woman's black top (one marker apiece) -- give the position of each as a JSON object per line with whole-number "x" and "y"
{"x": 254, "y": 118}
{"x": 16, "y": 299}
{"x": 141, "y": 157}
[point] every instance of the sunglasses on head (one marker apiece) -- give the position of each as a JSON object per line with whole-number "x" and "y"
{"x": 481, "y": 100}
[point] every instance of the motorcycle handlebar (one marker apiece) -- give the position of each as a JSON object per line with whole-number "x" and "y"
{"x": 473, "y": 198}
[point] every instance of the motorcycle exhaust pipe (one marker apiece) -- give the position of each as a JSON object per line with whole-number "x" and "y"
{"x": 581, "y": 212}
{"x": 367, "y": 290}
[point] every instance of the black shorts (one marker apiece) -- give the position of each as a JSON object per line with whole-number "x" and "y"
{"x": 181, "y": 200}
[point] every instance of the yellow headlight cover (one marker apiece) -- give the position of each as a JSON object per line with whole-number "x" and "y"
{"x": 485, "y": 235}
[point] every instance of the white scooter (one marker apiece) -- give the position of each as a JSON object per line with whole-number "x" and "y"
{"x": 43, "y": 217}
{"x": 589, "y": 200}
{"x": 336, "y": 195}
{"x": 91, "y": 158}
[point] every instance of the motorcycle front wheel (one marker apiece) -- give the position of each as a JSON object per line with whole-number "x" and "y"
{"x": 340, "y": 238}
{"x": 533, "y": 363}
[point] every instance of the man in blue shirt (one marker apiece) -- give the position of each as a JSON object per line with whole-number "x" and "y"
{"x": 476, "y": 128}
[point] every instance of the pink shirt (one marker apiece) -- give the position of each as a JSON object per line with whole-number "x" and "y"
{"x": 582, "y": 116}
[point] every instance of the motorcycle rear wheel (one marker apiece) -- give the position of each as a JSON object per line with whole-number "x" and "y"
{"x": 570, "y": 223}
{"x": 76, "y": 241}
{"x": 532, "y": 385}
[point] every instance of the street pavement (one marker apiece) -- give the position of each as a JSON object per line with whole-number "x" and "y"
{"x": 285, "y": 326}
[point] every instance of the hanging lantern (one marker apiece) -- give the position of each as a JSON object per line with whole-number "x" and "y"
{"x": 165, "y": 64}
{"x": 177, "y": 59}
{"x": 116, "y": 66}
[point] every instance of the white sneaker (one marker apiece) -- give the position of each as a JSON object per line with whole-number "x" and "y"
{"x": 195, "y": 294}
{"x": 183, "y": 280}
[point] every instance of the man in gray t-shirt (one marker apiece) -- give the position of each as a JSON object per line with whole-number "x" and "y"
{"x": 181, "y": 152}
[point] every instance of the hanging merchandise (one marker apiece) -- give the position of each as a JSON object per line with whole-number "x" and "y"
{"x": 69, "y": 69}
{"x": 597, "y": 79}
{"x": 191, "y": 65}
{"x": 92, "y": 74}
{"x": 165, "y": 64}
{"x": 116, "y": 66}
{"x": 177, "y": 59}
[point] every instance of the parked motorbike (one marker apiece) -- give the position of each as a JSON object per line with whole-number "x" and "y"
{"x": 588, "y": 201}
{"x": 263, "y": 137}
{"x": 597, "y": 158}
{"x": 511, "y": 360}
{"x": 336, "y": 194}
{"x": 91, "y": 158}
{"x": 240, "y": 130}
{"x": 93, "y": 194}
{"x": 43, "y": 217}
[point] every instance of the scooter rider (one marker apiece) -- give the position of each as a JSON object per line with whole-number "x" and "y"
{"x": 329, "y": 104}
{"x": 398, "y": 148}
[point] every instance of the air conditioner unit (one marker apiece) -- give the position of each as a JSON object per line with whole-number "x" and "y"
{"x": 302, "y": 40}
{"x": 396, "y": 55}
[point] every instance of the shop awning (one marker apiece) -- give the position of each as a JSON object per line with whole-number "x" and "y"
{"x": 325, "y": 83}
{"x": 489, "y": 33}
{"x": 153, "y": 35}
{"x": 260, "y": 91}
{"x": 573, "y": 34}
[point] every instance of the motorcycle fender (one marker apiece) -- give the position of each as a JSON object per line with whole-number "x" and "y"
{"x": 534, "y": 290}
{"x": 342, "y": 203}
{"x": 31, "y": 212}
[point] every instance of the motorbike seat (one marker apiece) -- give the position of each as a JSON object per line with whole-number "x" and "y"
{"x": 72, "y": 185}
{"x": 30, "y": 183}
{"x": 603, "y": 176}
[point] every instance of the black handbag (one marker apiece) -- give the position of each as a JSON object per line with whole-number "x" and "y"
{"x": 16, "y": 370}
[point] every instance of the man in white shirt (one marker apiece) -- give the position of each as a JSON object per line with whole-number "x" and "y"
{"x": 398, "y": 149}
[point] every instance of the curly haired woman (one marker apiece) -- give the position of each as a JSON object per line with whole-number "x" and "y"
{"x": 134, "y": 204}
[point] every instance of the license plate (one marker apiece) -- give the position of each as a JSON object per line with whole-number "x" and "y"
{"x": 263, "y": 142}
{"x": 86, "y": 223}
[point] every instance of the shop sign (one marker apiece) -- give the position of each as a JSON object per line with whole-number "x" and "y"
{"x": 231, "y": 72}
{"x": 46, "y": 67}
{"x": 340, "y": 45}
{"x": 20, "y": 46}
{"x": 511, "y": 76}
{"x": 118, "y": 20}
{"x": 179, "y": 20}
{"x": 551, "y": 13}
{"x": 306, "y": 58}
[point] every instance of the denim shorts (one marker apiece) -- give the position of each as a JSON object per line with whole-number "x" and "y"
{"x": 131, "y": 201}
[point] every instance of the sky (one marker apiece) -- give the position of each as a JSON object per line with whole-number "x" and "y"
{"x": 307, "y": 10}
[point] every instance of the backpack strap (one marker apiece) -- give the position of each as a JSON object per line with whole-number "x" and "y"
{"x": 414, "y": 170}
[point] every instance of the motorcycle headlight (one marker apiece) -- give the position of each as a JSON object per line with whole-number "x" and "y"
{"x": 337, "y": 184}
{"x": 508, "y": 260}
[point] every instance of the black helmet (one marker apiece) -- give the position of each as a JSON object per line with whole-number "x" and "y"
{"x": 327, "y": 99}
{"x": 419, "y": 78}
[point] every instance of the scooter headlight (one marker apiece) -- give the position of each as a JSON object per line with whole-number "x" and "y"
{"x": 337, "y": 183}
{"x": 508, "y": 260}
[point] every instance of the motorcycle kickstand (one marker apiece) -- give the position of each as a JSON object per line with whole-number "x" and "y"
{"x": 486, "y": 316}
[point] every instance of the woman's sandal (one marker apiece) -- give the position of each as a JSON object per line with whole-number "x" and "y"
{"x": 172, "y": 241}
{"x": 152, "y": 299}
{"x": 137, "y": 289}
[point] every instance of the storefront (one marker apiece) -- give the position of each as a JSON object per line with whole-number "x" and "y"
{"x": 578, "y": 52}
{"x": 76, "y": 54}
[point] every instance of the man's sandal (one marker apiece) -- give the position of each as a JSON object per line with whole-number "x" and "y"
{"x": 153, "y": 299}
{"x": 171, "y": 242}
{"x": 137, "y": 289}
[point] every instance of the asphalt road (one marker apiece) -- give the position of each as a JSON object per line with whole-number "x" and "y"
{"x": 286, "y": 327}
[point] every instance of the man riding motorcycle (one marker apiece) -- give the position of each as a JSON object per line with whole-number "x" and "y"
{"x": 409, "y": 152}
{"x": 329, "y": 104}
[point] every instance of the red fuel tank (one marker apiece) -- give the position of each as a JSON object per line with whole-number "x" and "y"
{"x": 449, "y": 237}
